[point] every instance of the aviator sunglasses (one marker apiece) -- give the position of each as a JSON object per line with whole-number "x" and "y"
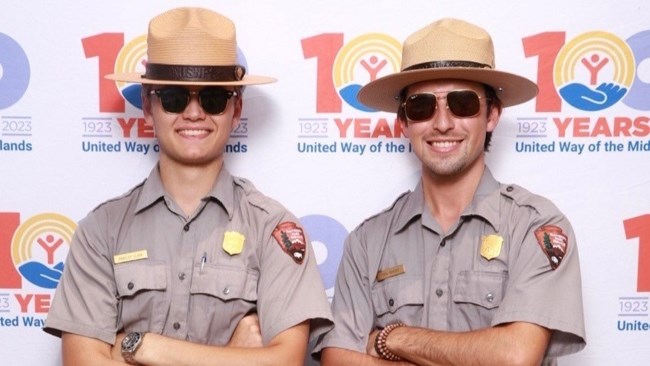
{"x": 174, "y": 99}
{"x": 462, "y": 104}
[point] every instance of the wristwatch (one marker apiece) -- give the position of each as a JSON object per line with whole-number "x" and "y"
{"x": 130, "y": 345}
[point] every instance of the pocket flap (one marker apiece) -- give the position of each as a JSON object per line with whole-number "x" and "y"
{"x": 225, "y": 282}
{"x": 141, "y": 275}
{"x": 481, "y": 288}
{"x": 390, "y": 295}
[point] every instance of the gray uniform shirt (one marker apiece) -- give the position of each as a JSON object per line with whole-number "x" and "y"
{"x": 136, "y": 263}
{"x": 399, "y": 266}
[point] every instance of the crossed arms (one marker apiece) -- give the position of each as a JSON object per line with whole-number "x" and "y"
{"x": 245, "y": 348}
{"x": 517, "y": 343}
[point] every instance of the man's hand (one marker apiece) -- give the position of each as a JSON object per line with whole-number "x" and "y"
{"x": 247, "y": 333}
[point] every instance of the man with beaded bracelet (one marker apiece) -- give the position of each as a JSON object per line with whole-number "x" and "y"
{"x": 463, "y": 270}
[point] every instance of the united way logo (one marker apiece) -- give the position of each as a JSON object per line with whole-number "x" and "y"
{"x": 594, "y": 71}
{"x": 343, "y": 68}
{"x": 39, "y": 248}
{"x": 364, "y": 59}
{"x": 132, "y": 57}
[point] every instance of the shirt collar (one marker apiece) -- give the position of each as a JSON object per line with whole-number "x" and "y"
{"x": 412, "y": 208}
{"x": 486, "y": 200}
{"x": 485, "y": 203}
{"x": 152, "y": 190}
{"x": 222, "y": 191}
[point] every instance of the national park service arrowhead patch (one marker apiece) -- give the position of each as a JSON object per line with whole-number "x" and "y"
{"x": 291, "y": 239}
{"x": 554, "y": 242}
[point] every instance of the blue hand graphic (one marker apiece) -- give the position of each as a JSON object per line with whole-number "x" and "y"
{"x": 349, "y": 94}
{"x": 41, "y": 275}
{"x": 132, "y": 94}
{"x": 582, "y": 97}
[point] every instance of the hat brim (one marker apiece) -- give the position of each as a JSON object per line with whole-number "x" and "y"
{"x": 136, "y": 77}
{"x": 383, "y": 94}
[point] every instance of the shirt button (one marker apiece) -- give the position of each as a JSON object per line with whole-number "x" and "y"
{"x": 226, "y": 290}
{"x": 181, "y": 276}
{"x": 489, "y": 297}
{"x": 130, "y": 286}
{"x": 186, "y": 227}
{"x": 391, "y": 302}
{"x": 439, "y": 292}
{"x": 177, "y": 325}
{"x": 444, "y": 242}
{"x": 510, "y": 188}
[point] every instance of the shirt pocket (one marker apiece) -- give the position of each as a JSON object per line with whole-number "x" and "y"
{"x": 141, "y": 287}
{"x": 485, "y": 289}
{"x": 398, "y": 299}
{"x": 220, "y": 297}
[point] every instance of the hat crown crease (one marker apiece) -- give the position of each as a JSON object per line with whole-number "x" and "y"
{"x": 194, "y": 37}
{"x": 448, "y": 40}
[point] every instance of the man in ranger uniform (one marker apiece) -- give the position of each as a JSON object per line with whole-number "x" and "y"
{"x": 463, "y": 270}
{"x": 193, "y": 266}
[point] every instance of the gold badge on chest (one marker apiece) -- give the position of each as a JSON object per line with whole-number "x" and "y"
{"x": 491, "y": 246}
{"x": 233, "y": 242}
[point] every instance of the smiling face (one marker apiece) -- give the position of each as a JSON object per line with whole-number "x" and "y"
{"x": 448, "y": 145}
{"x": 191, "y": 137}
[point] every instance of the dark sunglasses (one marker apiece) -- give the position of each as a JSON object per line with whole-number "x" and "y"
{"x": 174, "y": 99}
{"x": 462, "y": 103}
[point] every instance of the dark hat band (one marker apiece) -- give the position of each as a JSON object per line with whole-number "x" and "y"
{"x": 447, "y": 64}
{"x": 194, "y": 73}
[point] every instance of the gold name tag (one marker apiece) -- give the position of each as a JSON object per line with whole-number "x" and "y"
{"x": 131, "y": 256}
{"x": 390, "y": 272}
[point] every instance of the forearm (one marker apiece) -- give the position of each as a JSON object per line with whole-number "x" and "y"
{"x": 512, "y": 344}
{"x": 288, "y": 348}
{"x": 343, "y": 357}
{"x": 80, "y": 350}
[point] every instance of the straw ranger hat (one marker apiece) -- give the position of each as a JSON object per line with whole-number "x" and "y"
{"x": 192, "y": 46}
{"x": 447, "y": 49}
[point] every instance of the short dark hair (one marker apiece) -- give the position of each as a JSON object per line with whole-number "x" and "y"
{"x": 490, "y": 96}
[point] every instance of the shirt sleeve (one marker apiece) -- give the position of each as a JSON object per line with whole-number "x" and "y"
{"x": 352, "y": 304}
{"x": 85, "y": 301}
{"x": 290, "y": 289}
{"x": 541, "y": 290}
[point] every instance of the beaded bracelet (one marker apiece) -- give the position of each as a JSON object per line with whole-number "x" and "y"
{"x": 380, "y": 343}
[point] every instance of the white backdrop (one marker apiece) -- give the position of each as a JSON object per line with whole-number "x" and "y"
{"x": 55, "y": 109}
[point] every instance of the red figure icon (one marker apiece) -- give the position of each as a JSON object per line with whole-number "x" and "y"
{"x": 50, "y": 246}
{"x": 594, "y": 66}
{"x": 373, "y": 67}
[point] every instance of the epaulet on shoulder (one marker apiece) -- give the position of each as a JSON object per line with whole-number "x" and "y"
{"x": 523, "y": 197}
{"x": 243, "y": 183}
{"x": 249, "y": 188}
{"x": 389, "y": 208}
{"x": 254, "y": 197}
{"x": 126, "y": 194}
{"x": 517, "y": 193}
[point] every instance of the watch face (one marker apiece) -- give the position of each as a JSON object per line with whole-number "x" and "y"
{"x": 131, "y": 340}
